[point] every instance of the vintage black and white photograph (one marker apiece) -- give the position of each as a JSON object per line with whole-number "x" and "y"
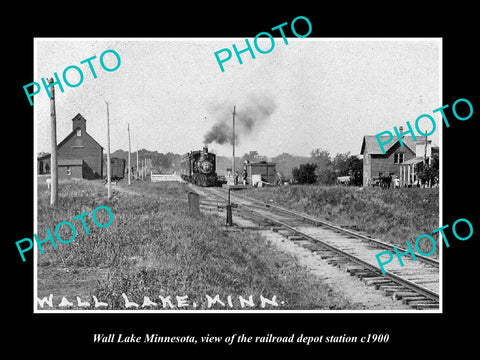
{"x": 273, "y": 174}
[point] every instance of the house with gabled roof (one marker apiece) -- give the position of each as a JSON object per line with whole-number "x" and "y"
{"x": 79, "y": 155}
{"x": 397, "y": 160}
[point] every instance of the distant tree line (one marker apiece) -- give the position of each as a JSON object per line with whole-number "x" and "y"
{"x": 161, "y": 163}
{"x": 318, "y": 168}
{"x": 323, "y": 169}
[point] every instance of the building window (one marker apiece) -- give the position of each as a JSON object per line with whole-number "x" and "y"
{"x": 398, "y": 158}
{"x": 79, "y": 132}
{"x": 69, "y": 170}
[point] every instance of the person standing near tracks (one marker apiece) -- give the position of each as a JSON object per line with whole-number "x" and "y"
{"x": 244, "y": 173}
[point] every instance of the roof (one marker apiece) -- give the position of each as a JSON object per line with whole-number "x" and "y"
{"x": 261, "y": 163}
{"x": 415, "y": 160}
{"x": 74, "y": 132}
{"x": 370, "y": 144}
{"x": 79, "y": 117}
{"x": 70, "y": 162}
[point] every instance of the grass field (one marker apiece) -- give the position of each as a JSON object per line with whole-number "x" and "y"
{"x": 393, "y": 215}
{"x": 155, "y": 248}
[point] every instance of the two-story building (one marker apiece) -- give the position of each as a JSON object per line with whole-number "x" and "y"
{"x": 78, "y": 156}
{"x": 398, "y": 161}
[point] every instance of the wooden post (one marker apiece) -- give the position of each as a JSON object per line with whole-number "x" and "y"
{"x": 425, "y": 153}
{"x": 137, "y": 172}
{"x": 129, "y": 163}
{"x": 409, "y": 179}
{"x": 109, "y": 174}
{"x": 413, "y": 175}
{"x": 228, "y": 208}
{"x": 233, "y": 143}
{"x": 53, "y": 156}
{"x": 400, "y": 176}
{"x": 425, "y": 159}
{"x": 193, "y": 203}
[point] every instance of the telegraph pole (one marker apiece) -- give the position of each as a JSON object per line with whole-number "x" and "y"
{"x": 109, "y": 183}
{"x": 425, "y": 154}
{"x": 129, "y": 164}
{"x": 425, "y": 158}
{"x": 53, "y": 156}
{"x": 233, "y": 143}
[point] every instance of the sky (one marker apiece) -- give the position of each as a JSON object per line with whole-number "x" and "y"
{"x": 322, "y": 93}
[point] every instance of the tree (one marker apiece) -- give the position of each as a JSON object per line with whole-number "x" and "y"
{"x": 253, "y": 156}
{"x": 305, "y": 174}
{"x": 324, "y": 166}
{"x": 285, "y": 163}
{"x": 341, "y": 163}
{"x": 429, "y": 173}
{"x": 355, "y": 170}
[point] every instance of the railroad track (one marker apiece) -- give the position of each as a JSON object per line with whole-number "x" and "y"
{"x": 415, "y": 284}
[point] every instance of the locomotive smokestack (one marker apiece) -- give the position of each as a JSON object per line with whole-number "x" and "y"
{"x": 205, "y": 148}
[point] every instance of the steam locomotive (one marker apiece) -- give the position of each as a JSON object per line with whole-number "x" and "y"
{"x": 199, "y": 167}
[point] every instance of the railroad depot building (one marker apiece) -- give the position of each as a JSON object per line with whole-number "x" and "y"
{"x": 79, "y": 155}
{"x": 260, "y": 172}
{"x": 398, "y": 161}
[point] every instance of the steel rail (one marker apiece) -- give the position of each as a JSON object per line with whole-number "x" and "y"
{"x": 398, "y": 279}
{"x": 411, "y": 285}
{"x": 338, "y": 228}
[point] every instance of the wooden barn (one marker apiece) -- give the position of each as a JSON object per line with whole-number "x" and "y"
{"x": 79, "y": 155}
{"x": 376, "y": 164}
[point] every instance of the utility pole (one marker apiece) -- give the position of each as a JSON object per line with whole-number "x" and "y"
{"x": 425, "y": 158}
{"x": 425, "y": 154}
{"x": 233, "y": 143}
{"x": 109, "y": 174}
{"x": 53, "y": 156}
{"x": 129, "y": 164}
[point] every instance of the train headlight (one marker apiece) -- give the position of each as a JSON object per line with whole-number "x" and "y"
{"x": 206, "y": 166}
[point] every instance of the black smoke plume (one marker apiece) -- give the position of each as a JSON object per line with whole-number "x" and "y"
{"x": 249, "y": 117}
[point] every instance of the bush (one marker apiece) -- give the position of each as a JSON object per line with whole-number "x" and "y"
{"x": 305, "y": 174}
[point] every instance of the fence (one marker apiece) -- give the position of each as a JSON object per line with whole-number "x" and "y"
{"x": 165, "y": 177}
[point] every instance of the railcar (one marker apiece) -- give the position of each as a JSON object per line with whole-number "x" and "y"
{"x": 117, "y": 168}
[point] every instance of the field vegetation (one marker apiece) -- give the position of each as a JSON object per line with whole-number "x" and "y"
{"x": 392, "y": 215}
{"x": 154, "y": 247}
